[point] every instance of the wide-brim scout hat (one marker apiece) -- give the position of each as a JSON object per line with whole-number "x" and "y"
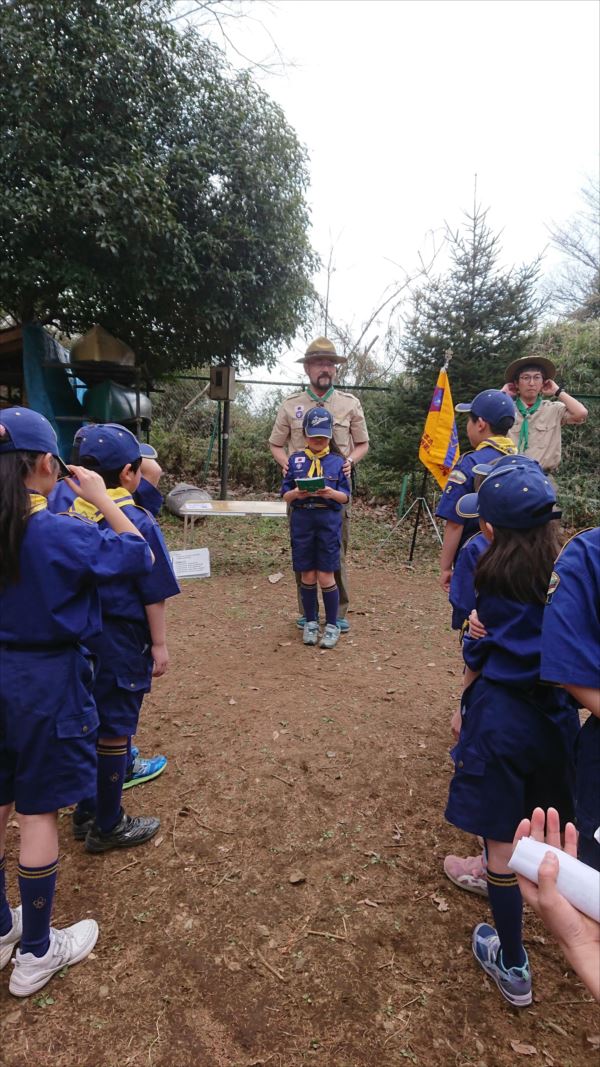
{"x": 322, "y": 346}
{"x": 491, "y": 405}
{"x": 25, "y": 430}
{"x": 514, "y": 369}
{"x": 516, "y": 497}
{"x": 110, "y": 445}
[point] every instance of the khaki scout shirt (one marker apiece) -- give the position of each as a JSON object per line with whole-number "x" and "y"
{"x": 544, "y": 433}
{"x": 349, "y": 426}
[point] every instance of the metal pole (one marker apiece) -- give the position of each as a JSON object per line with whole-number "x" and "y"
{"x": 225, "y": 449}
{"x": 219, "y": 441}
{"x": 419, "y": 507}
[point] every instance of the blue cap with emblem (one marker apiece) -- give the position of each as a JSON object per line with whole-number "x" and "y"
{"x": 318, "y": 423}
{"x": 515, "y": 497}
{"x": 25, "y": 430}
{"x": 111, "y": 445}
{"x": 492, "y": 405}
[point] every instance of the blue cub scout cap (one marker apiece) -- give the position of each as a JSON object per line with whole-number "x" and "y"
{"x": 24, "y": 430}
{"x": 491, "y": 406}
{"x": 515, "y": 497}
{"x": 112, "y": 446}
{"x": 318, "y": 423}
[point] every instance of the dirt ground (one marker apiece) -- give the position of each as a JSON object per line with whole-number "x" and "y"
{"x": 293, "y": 909}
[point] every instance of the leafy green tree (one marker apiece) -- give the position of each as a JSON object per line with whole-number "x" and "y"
{"x": 146, "y": 186}
{"x": 483, "y": 314}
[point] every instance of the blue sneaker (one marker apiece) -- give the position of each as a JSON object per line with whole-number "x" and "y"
{"x": 514, "y": 983}
{"x": 301, "y": 622}
{"x": 144, "y": 770}
{"x": 343, "y": 626}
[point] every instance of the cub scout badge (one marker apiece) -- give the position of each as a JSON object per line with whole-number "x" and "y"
{"x": 457, "y": 477}
{"x": 299, "y": 412}
{"x": 553, "y": 586}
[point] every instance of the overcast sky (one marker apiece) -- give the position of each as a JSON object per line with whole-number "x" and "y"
{"x": 401, "y": 102}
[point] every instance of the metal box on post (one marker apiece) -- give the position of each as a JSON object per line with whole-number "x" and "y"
{"x": 222, "y": 383}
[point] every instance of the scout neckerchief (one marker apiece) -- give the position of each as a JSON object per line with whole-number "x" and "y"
{"x": 319, "y": 399}
{"x": 89, "y": 511}
{"x": 37, "y": 502}
{"x": 526, "y": 413}
{"x": 316, "y": 470}
{"x": 501, "y": 444}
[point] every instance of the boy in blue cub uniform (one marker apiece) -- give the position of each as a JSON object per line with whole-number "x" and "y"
{"x": 131, "y": 648}
{"x": 49, "y": 611}
{"x": 140, "y": 769}
{"x": 515, "y": 747}
{"x": 316, "y": 523}
{"x": 491, "y": 415}
{"x": 571, "y": 657}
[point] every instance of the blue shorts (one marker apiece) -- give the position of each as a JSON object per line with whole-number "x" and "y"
{"x": 515, "y": 752}
{"x": 48, "y": 728}
{"x": 124, "y": 675}
{"x": 316, "y": 538}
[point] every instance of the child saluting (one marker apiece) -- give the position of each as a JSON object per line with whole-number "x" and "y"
{"x": 316, "y": 522}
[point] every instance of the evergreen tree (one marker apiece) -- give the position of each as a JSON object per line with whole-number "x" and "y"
{"x": 483, "y": 314}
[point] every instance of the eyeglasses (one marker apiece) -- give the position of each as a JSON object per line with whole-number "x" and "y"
{"x": 531, "y": 377}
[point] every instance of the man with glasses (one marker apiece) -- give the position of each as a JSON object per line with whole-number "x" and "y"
{"x": 537, "y": 427}
{"x": 350, "y": 434}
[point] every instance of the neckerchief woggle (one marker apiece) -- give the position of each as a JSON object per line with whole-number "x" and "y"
{"x": 526, "y": 412}
{"x": 89, "y": 511}
{"x": 316, "y": 470}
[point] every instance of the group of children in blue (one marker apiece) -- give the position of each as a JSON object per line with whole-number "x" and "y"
{"x": 84, "y": 577}
{"x": 83, "y": 582}
{"x": 529, "y": 618}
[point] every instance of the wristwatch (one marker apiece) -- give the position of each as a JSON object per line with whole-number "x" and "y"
{"x": 558, "y": 392}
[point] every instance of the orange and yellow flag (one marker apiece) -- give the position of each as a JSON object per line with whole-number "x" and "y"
{"x": 439, "y": 449}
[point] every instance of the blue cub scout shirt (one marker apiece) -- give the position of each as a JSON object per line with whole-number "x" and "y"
{"x": 127, "y": 599}
{"x": 331, "y": 464}
{"x": 62, "y": 559}
{"x": 462, "y": 594}
{"x": 571, "y": 656}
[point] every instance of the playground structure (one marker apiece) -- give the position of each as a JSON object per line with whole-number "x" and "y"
{"x": 97, "y": 381}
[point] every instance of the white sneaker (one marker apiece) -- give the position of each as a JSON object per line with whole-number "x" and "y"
{"x": 66, "y": 947}
{"x": 12, "y": 938}
{"x": 331, "y": 636}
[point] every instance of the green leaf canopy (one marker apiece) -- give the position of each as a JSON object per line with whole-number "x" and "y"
{"x": 146, "y": 186}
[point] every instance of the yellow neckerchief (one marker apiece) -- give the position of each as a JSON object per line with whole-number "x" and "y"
{"x": 79, "y": 506}
{"x": 502, "y": 444}
{"x": 37, "y": 502}
{"x": 316, "y": 470}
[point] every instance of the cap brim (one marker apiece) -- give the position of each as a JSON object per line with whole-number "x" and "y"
{"x": 462, "y": 407}
{"x": 64, "y": 470}
{"x": 147, "y": 451}
{"x": 468, "y": 506}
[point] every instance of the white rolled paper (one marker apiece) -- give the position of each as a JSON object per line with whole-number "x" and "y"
{"x": 576, "y": 881}
{"x": 597, "y": 835}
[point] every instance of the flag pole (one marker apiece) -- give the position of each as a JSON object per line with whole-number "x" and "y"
{"x": 447, "y": 357}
